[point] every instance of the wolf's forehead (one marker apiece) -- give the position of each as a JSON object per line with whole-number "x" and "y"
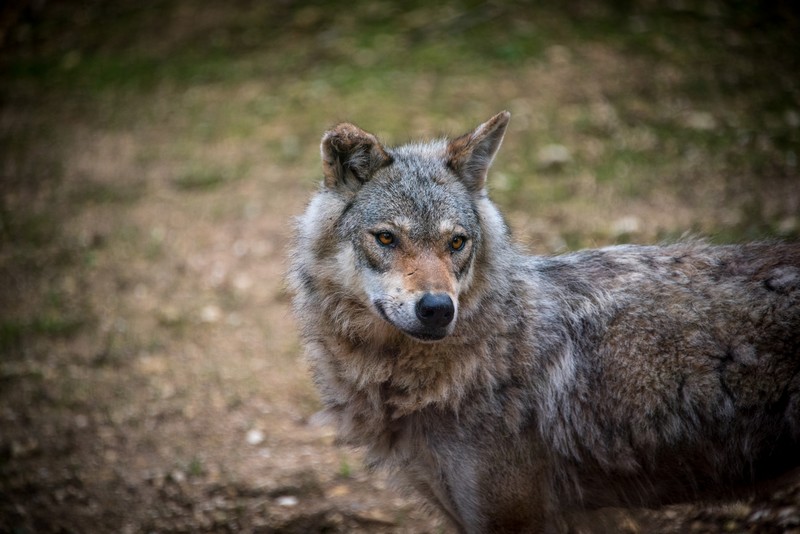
{"x": 413, "y": 167}
{"x": 409, "y": 208}
{"x": 423, "y": 193}
{"x": 445, "y": 225}
{"x": 418, "y": 205}
{"x": 417, "y": 193}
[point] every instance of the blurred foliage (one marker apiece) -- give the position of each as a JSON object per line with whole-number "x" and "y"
{"x": 713, "y": 88}
{"x": 730, "y": 46}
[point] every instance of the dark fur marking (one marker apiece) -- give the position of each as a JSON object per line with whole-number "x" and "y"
{"x": 721, "y": 369}
{"x": 307, "y": 281}
{"x": 374, "y": 263}
{"x": 345, "y": 211}
{"x": 467, "y": 264}
{"x": 680, "y": 397}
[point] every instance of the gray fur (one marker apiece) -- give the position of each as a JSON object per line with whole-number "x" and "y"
{"x": 630, "y": 375}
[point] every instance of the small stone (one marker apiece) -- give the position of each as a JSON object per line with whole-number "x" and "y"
{"x": 210, "y": 314}
{"x": 242, "y": 282}
{"x": 701, "y": 120}
{"x": 757, "y": 516}
{"x": 287, "y": 500}
{"x": 255, "y": 436}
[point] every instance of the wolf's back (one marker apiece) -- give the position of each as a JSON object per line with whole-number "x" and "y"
{"x": 688, "y": 348}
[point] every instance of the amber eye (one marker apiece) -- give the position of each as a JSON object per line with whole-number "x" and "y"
{"x": 458, "y": 242}
{"x": 385, "y": 238}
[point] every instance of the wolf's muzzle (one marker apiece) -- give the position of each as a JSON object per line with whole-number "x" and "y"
{"x": 435, "y": 310}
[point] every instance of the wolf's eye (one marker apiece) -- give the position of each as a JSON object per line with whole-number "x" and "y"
{"x": 458, "y": 242}
{"x": 385, "y": 238}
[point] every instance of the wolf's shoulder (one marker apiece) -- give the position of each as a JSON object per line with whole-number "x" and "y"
{"x": 718, "y": 263}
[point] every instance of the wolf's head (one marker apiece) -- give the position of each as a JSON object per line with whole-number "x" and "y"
{"x": 396, "y": 231}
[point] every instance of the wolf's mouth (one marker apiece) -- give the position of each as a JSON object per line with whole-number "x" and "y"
{"x": 433, "y": 334}
{"x": 426, "y": 336}
{"x": 379, "y": 307}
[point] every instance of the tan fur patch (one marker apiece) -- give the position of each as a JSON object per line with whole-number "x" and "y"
{"x": 427, "y": 272}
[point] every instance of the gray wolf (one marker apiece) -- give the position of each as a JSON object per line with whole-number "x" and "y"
{"x": 509, "y": 389}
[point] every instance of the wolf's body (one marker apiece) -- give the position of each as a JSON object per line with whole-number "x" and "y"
{"x": 507, "y": 388}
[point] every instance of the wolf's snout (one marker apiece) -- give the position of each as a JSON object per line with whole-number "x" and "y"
{"x": 435, "y": 310}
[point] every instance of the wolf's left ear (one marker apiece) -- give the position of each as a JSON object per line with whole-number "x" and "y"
{"x": 471, "y": 154}
{"x": 350, "y": 156}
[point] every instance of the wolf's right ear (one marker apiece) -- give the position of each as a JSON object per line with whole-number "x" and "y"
{"x": 350, "y": 156}
{"x": 471, "y": 154}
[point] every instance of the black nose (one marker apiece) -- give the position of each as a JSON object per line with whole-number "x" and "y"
{"x": 435, "y": 310}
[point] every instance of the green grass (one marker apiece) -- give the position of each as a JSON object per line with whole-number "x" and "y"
{"x": 13, "y": 332}
{"x": 345, "y": 469}
{"x": 199, "y": 179}
{"x": 122, "y": 65}
{"x": 394, "y": 69}
{"x": 102, "y": 193}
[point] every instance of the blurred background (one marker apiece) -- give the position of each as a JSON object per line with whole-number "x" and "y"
{"x": 152, "y": 155}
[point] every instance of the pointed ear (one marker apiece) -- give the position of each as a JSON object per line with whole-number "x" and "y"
{"x": 471, "y": 154}
{"x": 350, "y": 156}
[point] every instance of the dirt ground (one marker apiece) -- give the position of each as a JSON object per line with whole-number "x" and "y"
{"x": 151, "y": 379}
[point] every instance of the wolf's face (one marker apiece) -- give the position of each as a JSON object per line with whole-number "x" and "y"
{"x": 408, "y": 227}
{"x": 414, "y": 233}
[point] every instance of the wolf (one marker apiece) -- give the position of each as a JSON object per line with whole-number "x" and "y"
{"x": 509, "y": 389}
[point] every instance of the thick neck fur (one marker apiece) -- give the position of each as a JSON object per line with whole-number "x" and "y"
{"x": 366, "y": 368}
